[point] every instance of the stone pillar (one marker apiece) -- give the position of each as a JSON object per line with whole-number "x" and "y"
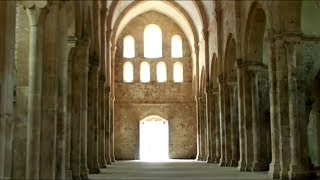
{"x": 53, "y": 57}
{"x": 274, "y": 166}
{"x": 227, "y": 124}
{"x": 297, "y": 168}
{"x": 248, "y": 120}
{"x": 206, "y": 126}
{"x": 211, "y": 142}
{"x": 258, "y": 163}
{"x": 282, "y": 107}
{"x": 217, "y": 125}
{"x": 68, "y": 172}
{"x": 62, "y": 95}
{"x": 7, "y": 48}
{"x": 93, "y": 163}
{"x": 199, "y": 152}
{"x": 107, "y": 119}
{"x": 234, "y": 122}
{"x": 222, "y": 121}
{"x": 101, "y": 101}
{"x": 241, "y": 104}
{"x": 76, "y": 86}
{"x": 112, "y": 130}
{"x": 35, "y": 13}
{"x": 84, "y": 107}
{"x": 202, "y": 129}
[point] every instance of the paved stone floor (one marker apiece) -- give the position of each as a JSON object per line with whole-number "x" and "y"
{"x": 174, "y": 169}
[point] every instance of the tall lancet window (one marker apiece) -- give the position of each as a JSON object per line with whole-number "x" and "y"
{"x": 128, "y": 72}
{"x": 152, "y": 41}
{"x": 176, "y": 47}
{"x": 161, "y": 72}
{"x": 178, "y": 72}
{"x": 144, "y": 72}
{"x": 128, "y": 47}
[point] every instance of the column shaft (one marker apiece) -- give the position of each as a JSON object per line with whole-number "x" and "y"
{"x": 234, "y": 125}
{"x": 102, "y": 160}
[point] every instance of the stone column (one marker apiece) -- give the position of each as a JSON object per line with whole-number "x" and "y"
{"x": 62, "y": 68}
{"x": 107, "y": 119}
{"x": 54, "y": 53}
{"x": 101, "y": 101}
{"x": 282, "y": 108}
{"x": 234, "y": 122}
{"x": 242, "y": 140}
{"x": 202, "y": 129}
{"x": 35, "y": 13}
{"x": 222, "y": 121}
{"x": 297, "y": 169}
{"x": 248, "y": 120}
{"x": 84, "y": 107}
{"x": 227, "y": 124}
{"x": 93, "y": 163}
{"x": 258, "y": 163}
{"x": 71, "y": 55}
{"x": 274, "y": 167}
{"x": 217, "y": 125}
{"x": 112, "y": 130}
{"x": 199, "y": 152}
{"x": 211, "y": 143}
{"x": 76, "y": 86}
{"x": 7, "y": 51}
{"x": 206, "y": 125}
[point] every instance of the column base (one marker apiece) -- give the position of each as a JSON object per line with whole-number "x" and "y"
{"x": 249, "y": 167}
{"x": 94, "y": 171}
{"x": 68, "y": 175}
{"x": 233, "y": 163}
{"x": 260, "y": 166}
{"x": 84, "y": 174}
{"x": 103, "y": 165}
{"x": 298, "y": 172}
{"x": 274, "y": 170}
{"x": 217, "y": 160}
{"x": 76, "y": 174}
{"x": 76, "y": 177}
{"x": 241, "y": 166}
{"x": 223, "y": 162}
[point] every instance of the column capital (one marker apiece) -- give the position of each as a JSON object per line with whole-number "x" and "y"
{"x": 255, "y": 66}
{"x": 232, "y": 81}
{"x": 34, "y": 4}
{"x": 213, "y": 91}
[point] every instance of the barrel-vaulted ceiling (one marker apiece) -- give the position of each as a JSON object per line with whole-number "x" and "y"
{"x": 193, "y": 16}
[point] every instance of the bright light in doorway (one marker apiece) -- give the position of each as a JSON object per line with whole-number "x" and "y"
{"x": 154, "y": 139}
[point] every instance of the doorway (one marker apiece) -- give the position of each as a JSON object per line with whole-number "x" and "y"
{"x": 154, "y": 139}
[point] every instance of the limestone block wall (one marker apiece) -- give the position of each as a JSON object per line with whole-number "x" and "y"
{"x": 172, "y": 101}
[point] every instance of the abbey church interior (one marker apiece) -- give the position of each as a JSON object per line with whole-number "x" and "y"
{"x": 159, "y": 89}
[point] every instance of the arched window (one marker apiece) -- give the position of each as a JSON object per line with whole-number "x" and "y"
{"x": 128, "y": 47}
{"x": 177, "y": 72}
{"x": 152, "y": 41}
{"x": 144, "y": 72}
{"x": 127, "y": 72}
{"x": 176, "y": 47}
{"x": 161, "y": 72}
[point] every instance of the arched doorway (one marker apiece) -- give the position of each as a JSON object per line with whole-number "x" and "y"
{"x": 154, "y": 139}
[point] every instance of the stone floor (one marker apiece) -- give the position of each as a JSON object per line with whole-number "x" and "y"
{"x": 174, "y": 169}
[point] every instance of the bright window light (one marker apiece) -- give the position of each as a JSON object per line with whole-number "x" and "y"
{"x": 176, "y": 46}
{"x": 178, "y": 72}
{"x": 128, "y": 47}
{"x": 144, "y": 72}
{"x": 127, "y": 72}
{"x": 154, "y": 139}
{"x": 152, "y": 41}
{"x": 161, "y": 72}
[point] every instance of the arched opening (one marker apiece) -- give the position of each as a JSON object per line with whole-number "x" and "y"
{"x": 177, "y": 72}
{"x": 152, "y": 41}
{"x": 144, "y": 72}
{"x": 128, "y": 47}
{"x": 176, "y": 47}
{"x": 127, "y": 72}
{"x": 161, "y": 72}
{"x": 154, "y": 139}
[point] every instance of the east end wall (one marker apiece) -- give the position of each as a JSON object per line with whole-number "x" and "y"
{"x": 171, "y": 101}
